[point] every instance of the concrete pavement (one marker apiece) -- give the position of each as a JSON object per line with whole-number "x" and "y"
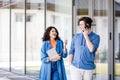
{"x": 6, "y": 75}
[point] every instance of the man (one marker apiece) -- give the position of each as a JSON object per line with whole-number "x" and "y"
{"x": 82, "y": 51}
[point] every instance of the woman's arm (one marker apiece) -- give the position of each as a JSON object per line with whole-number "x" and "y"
{"x": 63, "y": 49}
{"x": 44, "y": 56}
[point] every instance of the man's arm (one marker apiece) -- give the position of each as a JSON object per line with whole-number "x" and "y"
{"x": 89, "y": 43}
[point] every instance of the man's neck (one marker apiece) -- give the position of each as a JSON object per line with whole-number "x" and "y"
{"x": 89, "y": 31}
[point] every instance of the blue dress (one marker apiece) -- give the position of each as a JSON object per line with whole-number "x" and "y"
{"x": 49, "y": 67}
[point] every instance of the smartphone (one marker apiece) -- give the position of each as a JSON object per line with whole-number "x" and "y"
{"x": 86, "y": 26}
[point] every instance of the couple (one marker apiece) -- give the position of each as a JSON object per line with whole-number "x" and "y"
{"x": 81, "y": 54}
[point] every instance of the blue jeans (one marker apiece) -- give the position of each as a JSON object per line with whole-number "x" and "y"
{"x": 55, "y": 75}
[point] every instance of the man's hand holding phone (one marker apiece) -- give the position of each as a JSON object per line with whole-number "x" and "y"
{"x": 85, "y": 31}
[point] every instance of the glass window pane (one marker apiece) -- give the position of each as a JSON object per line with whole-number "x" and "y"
{"x": 34, "y": 33}
{"x": 117, "y": 40}
{"x": 18, "y": 36}
{"x": 101, "y": 27}
{"x": 4, "y": 34}
{"x": 82, "y": 7}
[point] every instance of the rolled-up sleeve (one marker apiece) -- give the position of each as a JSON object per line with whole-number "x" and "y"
{"x": 96, "y": 42}
{"x": 72, "y": 47}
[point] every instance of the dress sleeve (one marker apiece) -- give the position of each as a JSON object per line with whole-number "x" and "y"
{"x": 44, "y": 56}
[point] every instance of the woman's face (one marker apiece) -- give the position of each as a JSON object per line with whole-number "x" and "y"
{"x": 53, "y": 33}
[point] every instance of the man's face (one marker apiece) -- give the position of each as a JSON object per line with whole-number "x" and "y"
{"x": 82, "y": 25}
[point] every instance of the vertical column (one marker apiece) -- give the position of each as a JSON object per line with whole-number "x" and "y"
{"x": 110, "y": 41}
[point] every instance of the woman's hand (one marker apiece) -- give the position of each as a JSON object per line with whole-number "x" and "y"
{"x": 55, "y": 58}
{"x": 65, "y": 44}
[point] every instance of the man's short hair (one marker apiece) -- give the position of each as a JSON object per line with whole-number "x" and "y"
{"x": 88, "y": 21}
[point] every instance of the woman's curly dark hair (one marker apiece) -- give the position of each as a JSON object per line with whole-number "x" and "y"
{"x": 46, "y": 35}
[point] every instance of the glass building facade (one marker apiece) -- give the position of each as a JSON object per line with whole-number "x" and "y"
{"x": 22, "y": 24}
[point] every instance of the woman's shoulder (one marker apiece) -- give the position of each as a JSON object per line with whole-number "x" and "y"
{"x": 46, "y": 42}
{"x": 59, "y": 40}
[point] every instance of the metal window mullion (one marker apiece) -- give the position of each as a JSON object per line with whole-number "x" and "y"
{"x": 74, "y": 16}
{"x": 90, "y": 8}
{"x": 25, "y": 67}
{"x": 45, "y": 14}
{"x": 111, "y": 40}
{"x": 10, "y": 67}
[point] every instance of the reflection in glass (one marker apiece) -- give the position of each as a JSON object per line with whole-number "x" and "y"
{"x": 34, "y": 33}
{"x": 18, "y": 37}
{"x": 4, "y": 35}
{"x": 4, "y": 4}
{"x": 82, "y": 7}
{"x": 117, "y": 40}
{"x": 101, "y": 27}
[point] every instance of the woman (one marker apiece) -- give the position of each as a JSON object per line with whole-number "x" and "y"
{"x": 52, "y": 68}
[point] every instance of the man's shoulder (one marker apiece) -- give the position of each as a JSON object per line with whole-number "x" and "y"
{"x": 78, "y": 34}
{"x": 95, "y": 34}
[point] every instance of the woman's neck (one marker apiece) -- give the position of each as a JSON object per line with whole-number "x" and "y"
{"x": 53, "y": 42}
{"x": 52, "y": 39}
